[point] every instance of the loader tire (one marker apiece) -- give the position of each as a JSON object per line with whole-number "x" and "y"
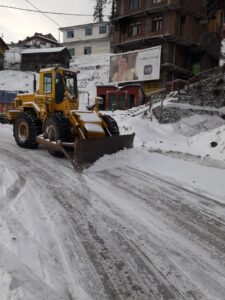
{"x": 57, "y": 127}
{"x": 25, "y": 129}
{"x": 111, "y": 124}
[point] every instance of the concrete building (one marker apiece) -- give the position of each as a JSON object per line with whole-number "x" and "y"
{"x": 86, "y": 39}
{"x": 188, "y": 31}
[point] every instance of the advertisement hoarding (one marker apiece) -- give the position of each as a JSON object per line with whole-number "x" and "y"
{"x": 135, "y": 66}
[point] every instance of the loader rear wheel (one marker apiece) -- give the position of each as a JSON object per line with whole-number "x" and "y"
{"x": 57, "y": 127}
{"x": 25, "y": 129}
{"x": 111, "y": 124}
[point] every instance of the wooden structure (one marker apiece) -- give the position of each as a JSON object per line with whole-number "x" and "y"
{"x": 3, "y": 47}
{"x": 35, "y": 59}
{"x": 188, "y": 31}
{"x": 122, "y": 98}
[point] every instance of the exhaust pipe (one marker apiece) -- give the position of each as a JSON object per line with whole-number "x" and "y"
{"x": 34, "y": 83}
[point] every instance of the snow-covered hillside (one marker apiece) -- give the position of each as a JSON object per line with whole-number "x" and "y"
{"x": 16, "y": 80}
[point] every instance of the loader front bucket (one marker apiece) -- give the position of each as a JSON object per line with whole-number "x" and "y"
{"x": 88, "y": 151}
{"x": 83, "y": 153}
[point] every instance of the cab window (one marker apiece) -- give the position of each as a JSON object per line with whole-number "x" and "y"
{"x": 47, "y": 83}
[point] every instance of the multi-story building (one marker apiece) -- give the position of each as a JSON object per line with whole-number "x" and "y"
{"x": 86, "y": 39}
{"x": 188, "y": 31}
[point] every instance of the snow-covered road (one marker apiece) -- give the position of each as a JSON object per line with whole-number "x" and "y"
{"x": 118, "y": 231}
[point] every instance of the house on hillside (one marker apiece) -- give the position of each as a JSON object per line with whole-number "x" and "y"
{"x": 86, "y": 39}
{"x": 35, "y": 59}
{"x": 39, "y": 40}
{"x": 189, "y": 33}
{"x": 3, "y": 48}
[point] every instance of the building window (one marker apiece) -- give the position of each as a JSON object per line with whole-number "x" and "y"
{"x": 88, "y": 31}
{"x": 134, "y": 29}
{"x": 72, "y": 51}
{"x": 102, "y": 29}
{"x": 134, "y": 4}
{"x": 87, "y": 50}
{"x": 157, "y": 24}
{"x": 70, "y": 34}
{"x": 47, "y": 83}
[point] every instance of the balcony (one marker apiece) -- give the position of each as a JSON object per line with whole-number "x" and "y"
{"x": 194, "y": 8}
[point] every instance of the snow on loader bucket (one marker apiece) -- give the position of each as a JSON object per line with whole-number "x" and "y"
{"x": 85, "y": 152}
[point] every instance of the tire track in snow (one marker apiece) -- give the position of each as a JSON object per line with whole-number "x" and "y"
{"x": 93, "y": 245}
{"x": 159, "y": 198}
{"x": 23, "y": 276}
{"x": 12, "y": 193}
{"x": 138, "y": 258}
{"x": 113, "y": 255}
{"x": 152, "y": 273}
{"x": 24, "y": 236}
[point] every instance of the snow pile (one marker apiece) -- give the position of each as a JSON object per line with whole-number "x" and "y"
{"x": 16, "y": 80}
{"x": 199, "y": 137}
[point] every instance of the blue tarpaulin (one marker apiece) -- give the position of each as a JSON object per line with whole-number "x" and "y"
{"x": 8, "y": 96}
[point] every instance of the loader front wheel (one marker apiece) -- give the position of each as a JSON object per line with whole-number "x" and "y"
{"x": 57, "y": 127}
{"x": 25, "y": 129}
{"x": 111, "y": 125}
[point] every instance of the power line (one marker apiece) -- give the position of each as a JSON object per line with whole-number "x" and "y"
{"x": 46, "y": 12}
{"x": 35, "y": 7}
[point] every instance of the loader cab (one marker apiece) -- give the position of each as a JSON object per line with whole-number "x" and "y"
{"x": 59, "y": 88}
{"x": 59, "y": 84}
{"x": 70, "y": 79}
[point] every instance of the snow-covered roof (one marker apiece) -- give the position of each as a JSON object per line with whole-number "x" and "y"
{"x": 48, "y": 38}
{"x": 43, "y": 50}
{"x": 84, "y": 25}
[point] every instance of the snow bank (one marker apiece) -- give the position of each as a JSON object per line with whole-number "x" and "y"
{"x": 16, "y": 80}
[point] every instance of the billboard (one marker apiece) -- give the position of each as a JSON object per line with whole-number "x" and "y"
{"x": 135, "y": 66}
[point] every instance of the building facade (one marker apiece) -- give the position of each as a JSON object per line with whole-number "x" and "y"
{"x": 188, "y": 31}
{"x": 87, "y": 39}
{"x": 120, "y": 98}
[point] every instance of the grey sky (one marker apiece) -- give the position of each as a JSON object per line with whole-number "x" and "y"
{"x": 16, "y": 25}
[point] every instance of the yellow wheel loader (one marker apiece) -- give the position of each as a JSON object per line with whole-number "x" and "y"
{"x": 50, "y": 117}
